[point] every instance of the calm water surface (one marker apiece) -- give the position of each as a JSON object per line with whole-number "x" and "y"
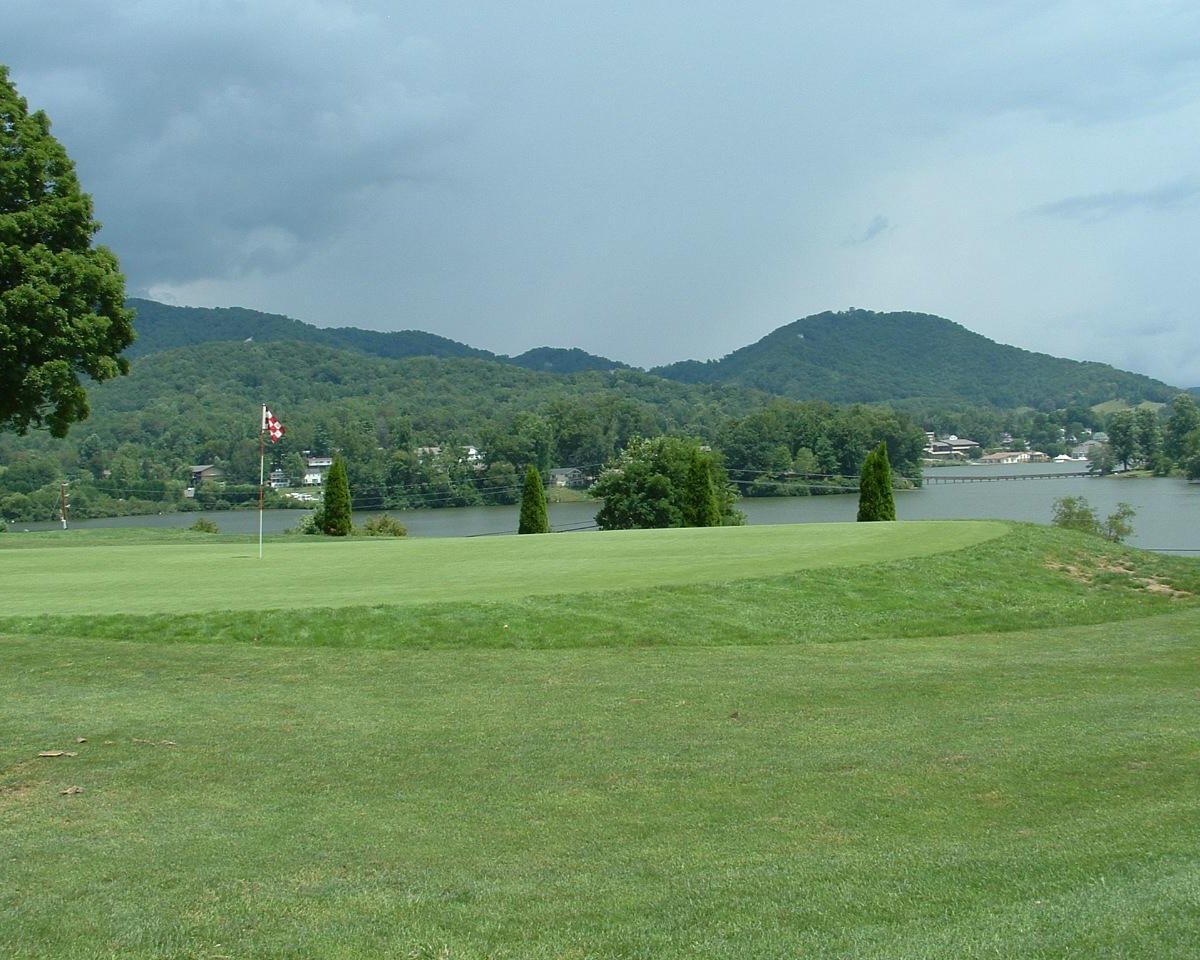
{"x": 1167, "y": 519}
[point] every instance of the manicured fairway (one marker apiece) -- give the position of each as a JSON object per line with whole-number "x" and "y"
{"x": 871, "y": 750}
{"x": 1024, "y": 795}
{"x": 307, "y": 572}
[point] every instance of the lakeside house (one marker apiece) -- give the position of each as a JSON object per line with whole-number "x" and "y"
{"x": 315, "y": 470}
{"x": 1015, "y": 456}
{"x": 949, "y": 448}
{"x": 566, "y": 477}
{"x": 1005, "y": 456}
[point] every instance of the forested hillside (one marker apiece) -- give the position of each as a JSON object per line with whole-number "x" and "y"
{"x": 406, "y": 424}
{"x": 856, "y": 356}
{"x": 200, "y": 404}
{"x": 859, "y": 356}
{"x": 163, "y": 327}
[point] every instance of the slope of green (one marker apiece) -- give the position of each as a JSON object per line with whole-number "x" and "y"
{"x": 330, "y": 573}
{"x": 859, "y": 356}
{"x": 222, "y": 379}
{"x": 925, "y": 788}
{"x": 162, "y": 327}
{"x": 560, "y": 360}
{"x": 200, "y": 403}
{"x": 736, "y": 585}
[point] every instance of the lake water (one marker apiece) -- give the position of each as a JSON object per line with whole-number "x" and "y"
{"x": 1167, "y": 509}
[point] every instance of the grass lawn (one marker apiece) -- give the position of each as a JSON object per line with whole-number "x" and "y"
{"x": 178, "y": 577}
{"x": 998, "y": 757}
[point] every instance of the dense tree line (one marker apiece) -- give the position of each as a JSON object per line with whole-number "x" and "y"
{"x": 404, "y": 428}
{"x": 1163, "y": 440}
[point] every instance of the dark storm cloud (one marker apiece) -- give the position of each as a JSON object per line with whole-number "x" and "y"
{"x": 641, "y": 180}
{"x": 229, "y": 137}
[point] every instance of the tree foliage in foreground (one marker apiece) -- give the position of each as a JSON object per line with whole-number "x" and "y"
{"x": 876, "y": 500}
{"x": 534, "y": 516}
{"x": 62, "y": 311}
{"x": 647, "y": 486}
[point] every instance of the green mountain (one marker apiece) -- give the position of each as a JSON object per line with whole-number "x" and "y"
{"x": 859, "y": 356}
{"x": 163, "y": 327}
{"x": 856, "y": 356}
{"x": 559, "y": 360}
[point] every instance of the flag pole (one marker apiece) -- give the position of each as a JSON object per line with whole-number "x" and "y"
{"x": 262, "y": 460}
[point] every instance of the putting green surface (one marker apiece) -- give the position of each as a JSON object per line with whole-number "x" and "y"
{"x": 307, "y": 572}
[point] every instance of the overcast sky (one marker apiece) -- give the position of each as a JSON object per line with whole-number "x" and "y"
{"x": 650, "y": 181}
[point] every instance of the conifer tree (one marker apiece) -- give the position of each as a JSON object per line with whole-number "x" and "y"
{"x": 62, "y": 301}
{"x": 875, "y": 498}
{"x": 534, "y": 516}
{"x": 700, "y": 507}
{"x": 336, "y": 519}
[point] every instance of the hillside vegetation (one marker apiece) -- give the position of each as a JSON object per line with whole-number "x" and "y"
{"x": 868, "y": 760}
{"x": 163, "y": 327}
{"x": 853, "y": 356}
{"x": 859, "y": 356}
{"x": 456, "y": 426}
{"x": 403, "y": 427}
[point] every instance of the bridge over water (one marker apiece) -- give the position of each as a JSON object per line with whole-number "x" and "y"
{"x": 931, "y": 477}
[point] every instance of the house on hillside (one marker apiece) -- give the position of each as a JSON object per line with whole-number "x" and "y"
{"x": 315, "y": 469}
{"x": 278, "y": 480}
{"x": 566, "y": 477}
{"x": 206, "y": 472}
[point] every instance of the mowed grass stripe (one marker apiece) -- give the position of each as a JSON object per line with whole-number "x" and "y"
{"x": 1026, "y": 795}
{"x": 191, "y": 577}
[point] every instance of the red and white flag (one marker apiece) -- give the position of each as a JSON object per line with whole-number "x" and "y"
{"x": 274, "y": 429}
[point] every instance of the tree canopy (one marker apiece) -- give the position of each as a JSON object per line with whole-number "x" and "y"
{"x": 658, "y": 482}
{"x": 62, "y": 312}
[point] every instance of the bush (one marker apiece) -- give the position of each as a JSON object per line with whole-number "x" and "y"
{"x": 204, "y": 525}
{"x": 312, "y": 524}
{"x": 383, "y": 526}
{"x": 1075, "y": 513}
{"x": 646, "y": 487}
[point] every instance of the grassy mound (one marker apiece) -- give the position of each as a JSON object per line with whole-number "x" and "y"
{"x": 754, "y": 585}
{"x": 997, "y": 759}
{"x": 188, "y": 576}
